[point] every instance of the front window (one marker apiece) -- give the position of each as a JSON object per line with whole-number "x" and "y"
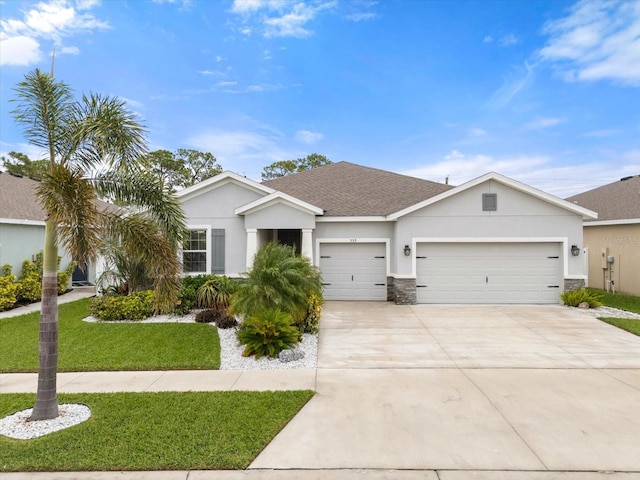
{"x": 194, "y": 252}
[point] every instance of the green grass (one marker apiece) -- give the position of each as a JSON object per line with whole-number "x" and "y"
{"x": 154, "y": 431}
{"x": 622, "y": 301}
{"x": 628, "y": 324}
{"x": 109, "y": 346}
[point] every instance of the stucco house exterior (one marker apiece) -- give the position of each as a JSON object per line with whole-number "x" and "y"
{"x": 613, "y": 240}
{"x": 378, "y": 235}
{"x": 22, "y": 224}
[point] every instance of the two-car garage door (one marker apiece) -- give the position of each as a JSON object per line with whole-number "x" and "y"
{"x": 488, "y": 273}
{"x": 354, "y": 271}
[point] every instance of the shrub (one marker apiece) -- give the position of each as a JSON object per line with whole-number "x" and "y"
{"x": 187, "y": 296}
{"x": 216, "y": 293}
{"x": 6, "y": 270}
{"x": 64, "y": 276}
{"x": 8, "y": 289}
{"x": 136, "y": 306}
{"x": 207, "y": 316}
{"x": 267, "y": 332}
{"x": 279, "y": 279}
{"x": 225, "y": 321}
{"x": 574, "y": 298}
{"x": 312, "y": 318}
{"x": 29, "y": 286}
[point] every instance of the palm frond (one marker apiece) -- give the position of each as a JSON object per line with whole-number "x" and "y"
{"x": 109, "y": 134}
{"x": 70, "y": 201}
{"x": 146, "y": 193}
{"x": 44, "y": 108}
{"x": 145, "y": 242}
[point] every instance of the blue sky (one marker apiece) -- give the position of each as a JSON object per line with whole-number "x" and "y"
{"x": 545, "y": 92}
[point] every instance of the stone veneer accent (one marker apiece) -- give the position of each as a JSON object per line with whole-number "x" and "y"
{"x": 405, "y": 291}
{"x": 391, "y": 293}
{"x": 571, "y": 284}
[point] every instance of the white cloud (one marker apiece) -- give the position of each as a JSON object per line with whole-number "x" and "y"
{"x": 544, "y": 122}
{"x": 87, "y": 4}
{"x": 477, "y": 132}
{"x": 513, "y": 84}
{"x": 487, "y": 39}
{"x": 601, "y": 133}
{"x": 279, "y": 18}
{"x": 69, "y": 51}
{"x": 361, "y": 16}
{"x": 245, "y": 152}
{"x": 598, "y": 40}
{"x": 51, "y": 21}
{"x": 132, "y": 103}
{"x": 538, "y": 171}
{"x": 508, "y": 40}
{"x": 19, "y": 50}
{"x": 307, "y": 136}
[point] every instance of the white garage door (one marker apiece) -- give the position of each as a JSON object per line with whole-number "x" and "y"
{"x": 354, "y": 271}
{"x": 488, "y": 273}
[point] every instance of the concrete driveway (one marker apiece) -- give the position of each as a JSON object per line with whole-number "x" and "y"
{"x": 440, "y": 387}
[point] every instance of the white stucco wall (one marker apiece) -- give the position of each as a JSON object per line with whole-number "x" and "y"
{"x": 279, "y": 216}
{"x": 215, "y": 208}
{"x": 519, "y": 215}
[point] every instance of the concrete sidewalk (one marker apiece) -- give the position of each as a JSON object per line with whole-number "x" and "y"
{"x": 76, "y": 294}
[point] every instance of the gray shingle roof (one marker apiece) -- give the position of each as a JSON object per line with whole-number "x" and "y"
{"x": 18, "y": 198}
{"x": 345, "y": 189}
{"x": 616, "y": 201}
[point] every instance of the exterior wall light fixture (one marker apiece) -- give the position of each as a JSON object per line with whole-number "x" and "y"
{"x": 407, "y": 250}
{"x": 575, "y": 251}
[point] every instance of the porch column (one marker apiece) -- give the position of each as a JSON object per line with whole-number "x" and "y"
{"x": 252, "y": 245}
{"x": 306, "y": 248}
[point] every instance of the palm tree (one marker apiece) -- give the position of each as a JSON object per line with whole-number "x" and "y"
{"x": 95, "y": 147}
{"x": 279, "y": 279}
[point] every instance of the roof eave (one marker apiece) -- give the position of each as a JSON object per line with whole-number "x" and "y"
{"x": 276, "y": 197}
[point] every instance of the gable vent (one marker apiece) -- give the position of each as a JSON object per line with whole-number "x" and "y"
{"x": 489, "y": 202}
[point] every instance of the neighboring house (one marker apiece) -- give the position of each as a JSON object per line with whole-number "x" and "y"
{"x": 22, "y": 224}
{"x": 377, "y": 235}
{"x": 613, "y": 240}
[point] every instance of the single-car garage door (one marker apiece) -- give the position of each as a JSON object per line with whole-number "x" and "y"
{"x": 354, "y": 271}
{"x": 488, "y": 273}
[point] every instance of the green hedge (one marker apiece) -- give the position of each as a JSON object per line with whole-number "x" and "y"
{"x": 136, "y": 306}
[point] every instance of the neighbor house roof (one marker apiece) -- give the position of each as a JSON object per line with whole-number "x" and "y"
{"x": 616, "y": 201}
{"x": 344, "y": 189}
{"x": 18, "y": 199}
{"x": 19, "y": 204}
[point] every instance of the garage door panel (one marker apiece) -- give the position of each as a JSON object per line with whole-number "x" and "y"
{"x": 488, "y": 273}
{"x": 354, "y": 271}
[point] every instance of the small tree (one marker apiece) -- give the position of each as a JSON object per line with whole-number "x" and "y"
{"x": 287, "y": 167}
{"x": 279, "y": 280}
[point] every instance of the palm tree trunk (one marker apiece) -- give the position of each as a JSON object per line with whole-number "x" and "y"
{"x": 46, "y": 406}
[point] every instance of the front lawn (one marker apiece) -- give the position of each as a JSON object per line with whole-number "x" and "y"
{"x": 622, "y": 301}
{"x": 154, "y": 431}
{"x": 109, "y": 346}
{"x": 629, "y": 324}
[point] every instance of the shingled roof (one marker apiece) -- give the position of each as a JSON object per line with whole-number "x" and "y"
{"x": 616, "y": 201}
{"x": 18, "y": 198}
{"x": 345, "y": 189}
